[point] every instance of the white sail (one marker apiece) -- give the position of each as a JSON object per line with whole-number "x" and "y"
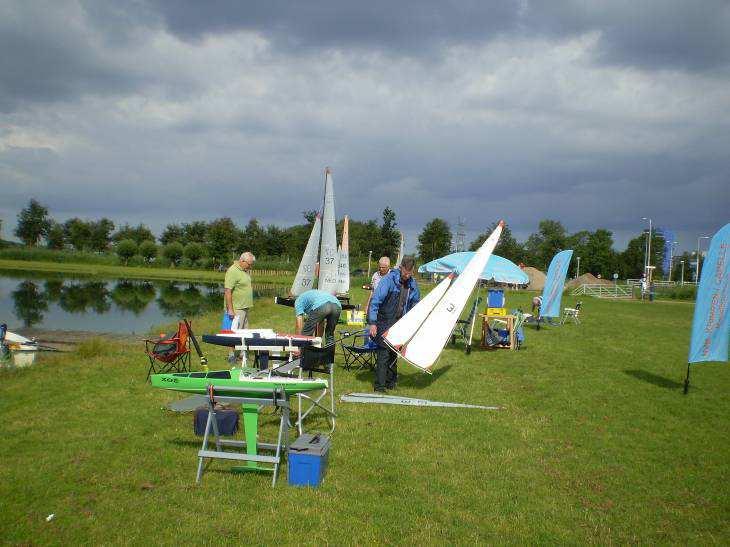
{"x": 306, "y": 273}
{"x": 401, "y": 248}
{"x": 328, "y": 258}
{"x": 429, "y": 340}
{"x": 407, "y": 325}
{"x": 343, "y": 271}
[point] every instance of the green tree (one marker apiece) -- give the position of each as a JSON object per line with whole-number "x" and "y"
{"x": 389, "y": 236}
{"x": 126, "y": 249}
{"x": 195, "y": 232}
{"x": 435, "y": 240}
{"x": 33, "y": 223}
{"x": 633, "y": 260}
{"x": 598, "y": 256}
{"x": 222, "y": 239}
{"x": 148, "y": 250}
{"x": 77, "y": 233}
{"x": 100, "y": 236}
{"x": 193, "y": 252}
{"x": 55, "y": 238}
{"x": 275, "y": 244}
{"x": 172, "y": 232}
{"x": 540, "y": 247}
{"x": 253, "y": 238}
{"x": 507, "y": 247}
{"x": 138, "y": 233}
{"x": 173, "y": 252}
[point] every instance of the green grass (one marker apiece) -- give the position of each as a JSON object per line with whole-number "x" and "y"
{"x": 596, "y": 444}
{"x": 131, "y": 272}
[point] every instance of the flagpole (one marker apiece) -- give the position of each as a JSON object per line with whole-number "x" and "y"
{"x": 686, "y": 381}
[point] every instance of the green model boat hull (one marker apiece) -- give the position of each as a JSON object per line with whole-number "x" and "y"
{"x": 198, "y": 382}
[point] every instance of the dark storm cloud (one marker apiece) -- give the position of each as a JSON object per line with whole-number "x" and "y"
{"x": 406, "y": 27}
{"x": 49, "y": 54}
{"x": 650, "y": 34}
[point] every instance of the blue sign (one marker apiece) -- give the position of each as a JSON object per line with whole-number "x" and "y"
{"x": 711, "y": 325}
{"x": 554, "y": 283}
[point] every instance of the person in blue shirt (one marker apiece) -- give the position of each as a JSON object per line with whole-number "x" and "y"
{"x": 396, "y": 294}
{"x": 317, "y": 306}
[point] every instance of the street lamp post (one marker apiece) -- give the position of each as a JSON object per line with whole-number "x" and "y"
{"x": 577, "y": 270}
{"x": 697, "y": 270}
{"x": 647, "y": 269}
{"x": 370, "y": 256}
{"x": 671, "y": 259}
{"x": 682, "y": 263}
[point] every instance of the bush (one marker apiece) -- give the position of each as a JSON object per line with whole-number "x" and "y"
{"x": 126, "y": 249}
{"x": 173, "y": 252}
{"x": 194, "y": 252}
{"x": 148, "y": 250}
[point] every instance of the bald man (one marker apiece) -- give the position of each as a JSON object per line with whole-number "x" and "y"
{"x": 237, "y": 290}
{"x": 382, "y": 271}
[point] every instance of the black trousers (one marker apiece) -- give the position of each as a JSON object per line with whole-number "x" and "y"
{"x": 329, "y": 312}
{"x": 386, "y": 368}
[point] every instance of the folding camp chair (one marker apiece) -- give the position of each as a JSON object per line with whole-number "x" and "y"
{"x": 169, "y": 353}
{"x": 322, "y": 361}
{"x": 463, "y": 326}
{"x": 572, "y": 313}
{"x": 361, "y": 355}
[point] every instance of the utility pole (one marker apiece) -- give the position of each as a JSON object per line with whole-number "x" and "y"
{"x": 460, "y": 235}
{"x": 647, "y": 271}
{"x": 577, "y": 269}
{"x": 370, "y": 256}
{"x": 682, "y": 263}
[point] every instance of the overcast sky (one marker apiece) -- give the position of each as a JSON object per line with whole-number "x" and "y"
{"x": 592, "y": 113}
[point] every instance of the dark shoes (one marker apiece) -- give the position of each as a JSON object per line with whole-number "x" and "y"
{"x": 379, "y": 390}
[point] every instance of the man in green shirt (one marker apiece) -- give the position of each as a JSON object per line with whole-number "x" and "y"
{"x": 237, "y": 291}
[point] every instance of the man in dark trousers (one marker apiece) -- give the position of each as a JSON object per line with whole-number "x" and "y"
{"x": 397, "y": 292}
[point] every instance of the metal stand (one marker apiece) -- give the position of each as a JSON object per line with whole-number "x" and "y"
{"x": 251, "y": 406}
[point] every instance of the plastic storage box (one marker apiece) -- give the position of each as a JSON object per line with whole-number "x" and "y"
{"x": 308, "y": 457}
{"x": 495, "y": 298}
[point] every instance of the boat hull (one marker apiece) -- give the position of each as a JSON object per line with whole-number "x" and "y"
{"x": 198, "y": 382}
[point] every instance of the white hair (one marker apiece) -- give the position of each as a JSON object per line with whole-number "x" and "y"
{"x": 248, "y": 257}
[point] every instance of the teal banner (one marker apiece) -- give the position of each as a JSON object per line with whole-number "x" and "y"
{"x": 554, "y": 283}
{"x": 711, "y": 325}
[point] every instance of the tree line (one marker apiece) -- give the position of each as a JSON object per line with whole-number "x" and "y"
{"x": 197, "y": 243}
{"x": 595, "y": 249}
{"x": 217, "y": 242}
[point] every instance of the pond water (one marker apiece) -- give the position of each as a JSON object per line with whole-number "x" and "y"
{"x": 125, "y": 306}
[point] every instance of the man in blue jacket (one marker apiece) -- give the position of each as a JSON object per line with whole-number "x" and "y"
{"x": 397, "y": 292}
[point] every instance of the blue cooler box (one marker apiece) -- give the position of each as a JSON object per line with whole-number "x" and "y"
{"x": 308, "y": 460}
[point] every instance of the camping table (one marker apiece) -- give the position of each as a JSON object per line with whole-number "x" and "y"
{"x": 508, "y": 320}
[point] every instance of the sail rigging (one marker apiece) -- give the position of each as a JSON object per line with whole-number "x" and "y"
{"x": 430, "y": 337}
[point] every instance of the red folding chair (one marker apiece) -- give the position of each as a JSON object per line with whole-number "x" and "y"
{"x": 169, "y": 353}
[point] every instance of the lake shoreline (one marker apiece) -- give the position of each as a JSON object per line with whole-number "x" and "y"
{"x": 134, "y": 272}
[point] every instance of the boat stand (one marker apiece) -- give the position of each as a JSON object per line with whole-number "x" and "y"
{"x": 251, "y": 407}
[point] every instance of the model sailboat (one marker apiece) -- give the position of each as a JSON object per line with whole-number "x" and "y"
{"x": 343, "y": 272}
{"x": 333, "y": 274}
{"x": 421, "y": 334}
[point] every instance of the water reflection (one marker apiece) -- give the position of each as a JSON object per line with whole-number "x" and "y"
{"x": 29, "y": 303}
{"x": 36, "y": 297}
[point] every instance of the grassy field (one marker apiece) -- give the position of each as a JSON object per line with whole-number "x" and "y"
{"x": 596, "y": 444}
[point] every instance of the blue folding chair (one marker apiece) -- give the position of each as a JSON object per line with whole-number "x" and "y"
{"x": 360, "y": 355}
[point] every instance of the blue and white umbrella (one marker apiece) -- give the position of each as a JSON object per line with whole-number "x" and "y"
{"x": 497, "y": 269}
